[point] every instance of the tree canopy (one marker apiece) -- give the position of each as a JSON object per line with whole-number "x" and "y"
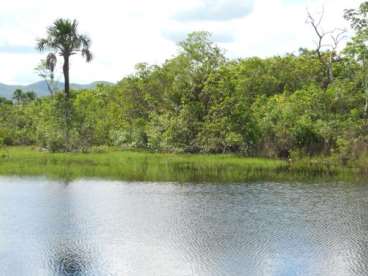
{"x": 201, "y": 101}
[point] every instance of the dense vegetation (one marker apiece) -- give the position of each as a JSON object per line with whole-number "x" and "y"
{"x": 312, "y": 103}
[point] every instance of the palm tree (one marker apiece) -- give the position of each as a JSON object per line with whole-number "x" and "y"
{"x": 63, "y": 39}
{"x": 45, "y": 70}
{"x": 50, "y": 64}
{"x": 18, "y": 95}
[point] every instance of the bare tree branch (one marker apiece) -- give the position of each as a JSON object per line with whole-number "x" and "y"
{"x": 335, "y": 36}
{"x": 316, "y": 27}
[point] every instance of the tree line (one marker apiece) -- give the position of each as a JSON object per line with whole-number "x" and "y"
{"x": 311, "y": 103}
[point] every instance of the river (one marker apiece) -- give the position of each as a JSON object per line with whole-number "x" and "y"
{"x": 100, "y": 227}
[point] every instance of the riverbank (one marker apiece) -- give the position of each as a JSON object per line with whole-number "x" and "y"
{"x": 144, "y": 166}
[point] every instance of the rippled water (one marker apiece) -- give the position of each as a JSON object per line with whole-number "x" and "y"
{"x": 117, "y": 228}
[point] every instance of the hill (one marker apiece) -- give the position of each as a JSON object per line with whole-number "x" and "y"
{"x": 40, "y": 87}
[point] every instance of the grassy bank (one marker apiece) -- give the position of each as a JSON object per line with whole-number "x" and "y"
{"x": 143, "y": 166}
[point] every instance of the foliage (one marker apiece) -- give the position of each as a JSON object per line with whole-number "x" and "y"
{"x": 200, "y": 101}
{"x": 63, "y": 39}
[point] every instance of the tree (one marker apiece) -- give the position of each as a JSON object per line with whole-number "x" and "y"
{"x": 18, "y": 96}
{"x": 63, "y": 39}
{"x": 21, "y": 97}
{"x": 198, "y": 58}
{"x": 29, "y": 96}
{"x": 357, "y": 47}
{"x": 328, "y": 40}
{"x": 4, "y": 100}
{"x": 46, "y": 70}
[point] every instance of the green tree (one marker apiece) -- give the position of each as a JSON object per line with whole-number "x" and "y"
{"x": 18, "y": 96}
{"x": 4, "y": 100}
{"x": 63, "y": 39}
{"x": 357, "y": 47}
{"x": 46, "y": 70}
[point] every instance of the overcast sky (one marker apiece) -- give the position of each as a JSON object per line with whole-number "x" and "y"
{"x": 126, "y": 32}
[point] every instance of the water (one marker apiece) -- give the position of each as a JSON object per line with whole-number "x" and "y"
{"x": 91, "y": 227}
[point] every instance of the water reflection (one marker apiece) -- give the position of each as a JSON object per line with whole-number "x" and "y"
{"x": 114, "y": 228}
{"x": 68, "y": 261}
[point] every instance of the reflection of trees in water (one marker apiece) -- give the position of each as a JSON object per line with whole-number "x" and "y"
{"x": 70, "y": 255}
{"x": 67, "y": 181}
{"x": 358, "y": 260}
{"x": 69, "y": 261}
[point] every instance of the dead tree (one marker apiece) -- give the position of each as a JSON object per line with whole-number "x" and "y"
{"x": 328, "y": 40}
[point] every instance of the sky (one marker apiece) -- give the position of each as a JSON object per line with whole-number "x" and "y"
{"x": 126, "y": 32}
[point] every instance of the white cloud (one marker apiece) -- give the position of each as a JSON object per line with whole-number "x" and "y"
{"x": 126, "y": 32}
{"x": 216, "y": 10}
{"x": 275, "y": 28}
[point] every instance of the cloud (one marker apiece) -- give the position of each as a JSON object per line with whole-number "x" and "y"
{"x": 294, "y": 2}
{"x": 180, "y": 35}
{"x": 217, "y": 10}
{"x": 129, "y": 32}
{"x": 17, "y": 49}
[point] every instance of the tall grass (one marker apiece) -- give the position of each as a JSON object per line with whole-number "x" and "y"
{"x": 143, "y": 166}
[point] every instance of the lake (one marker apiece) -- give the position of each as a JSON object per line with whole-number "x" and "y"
{"x": 100, "y": 227}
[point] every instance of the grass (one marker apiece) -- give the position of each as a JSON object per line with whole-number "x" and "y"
{"x": 143, "y": 166}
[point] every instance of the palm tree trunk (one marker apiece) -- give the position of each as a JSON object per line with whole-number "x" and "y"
{"x": 66, "y": 76}
{"x": 67, "y": 104}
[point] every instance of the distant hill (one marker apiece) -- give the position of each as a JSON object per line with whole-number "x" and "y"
{"x": 40, "y": 87}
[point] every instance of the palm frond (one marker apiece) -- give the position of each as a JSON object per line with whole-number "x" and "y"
{"x": 42, "y": 44}
{"x": 51, "y": 62}
{"x": 63, "y": 38}
{"x": 87, "y": 54}
{"x": 85, "y": 44}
